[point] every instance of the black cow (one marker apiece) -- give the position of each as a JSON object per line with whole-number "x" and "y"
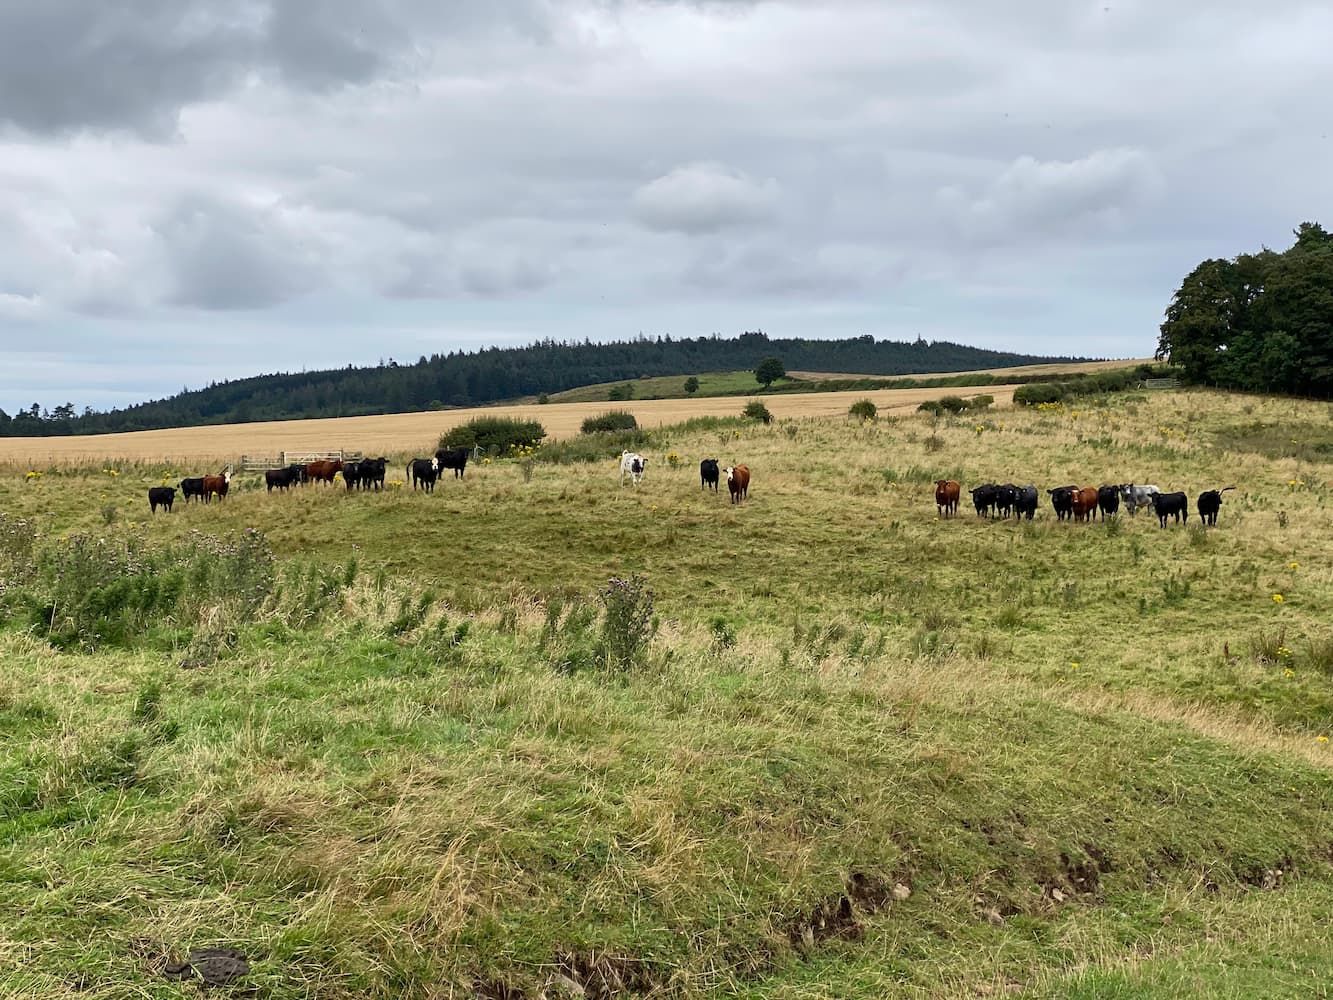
{"x": 193, "y": 487}
{"x": 297, "y": 469}
{"x": 278, "y": 479}
{"x": 1025, "y": 502}
{"x": 163, "y": 496}
{"x": 1108, "y": 500}
{"x": 423, "y": 472}
{"x": 372, "y": 472}
{"x": 1062, "y": 501}
{"x": 453, "y": 458}
{"x": 1209, "y": 503}
{"x": 983, "y": 497}
{"x": 352, "y": 475}
{"x": 1005, "y": 498}
{"x": 708, "y": 474}
{"x": 1171, "y": 505}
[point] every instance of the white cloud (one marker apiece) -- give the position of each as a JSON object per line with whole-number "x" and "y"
{"x": 704, "y": 198}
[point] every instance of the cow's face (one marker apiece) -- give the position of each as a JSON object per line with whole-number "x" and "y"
{"x": 730, "y": 472}
{"x": 434, "y": 465}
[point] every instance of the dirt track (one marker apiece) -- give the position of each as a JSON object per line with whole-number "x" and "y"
{"x": 418, "y": 432}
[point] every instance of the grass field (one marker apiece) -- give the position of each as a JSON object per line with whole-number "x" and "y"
{"x": 732, "y": 383}
{"x": 390, "y": 748}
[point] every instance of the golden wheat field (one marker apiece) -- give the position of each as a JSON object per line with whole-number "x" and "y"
{"x": 401, "y": 432}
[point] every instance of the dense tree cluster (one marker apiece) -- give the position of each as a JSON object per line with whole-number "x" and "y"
{"x": 1261, "y": 322}
{"x": 494, "y": 374}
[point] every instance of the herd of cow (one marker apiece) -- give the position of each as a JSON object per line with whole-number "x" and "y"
{"x": 364, "y": 474}
{"x": 1078, "y": 503}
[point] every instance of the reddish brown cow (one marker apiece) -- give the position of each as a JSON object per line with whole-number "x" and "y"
{"x": 216, "y": 485}
{"x": 738, "y": 482}
{"x": 1085, "y": 503}
{"x": 946, "y": 497}
{"x": 323, "y": 471}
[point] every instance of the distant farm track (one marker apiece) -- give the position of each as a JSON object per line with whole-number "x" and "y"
{"x": 395, "y": 433}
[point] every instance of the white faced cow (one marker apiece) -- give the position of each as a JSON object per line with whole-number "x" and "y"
{"x": 1137, "y": 496}
{"x": 632, "y": 465}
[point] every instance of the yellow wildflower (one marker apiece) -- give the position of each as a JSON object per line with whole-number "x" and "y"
{"x": 1278, "y": 598}
{"x": 1293, "y": 565}
{"x": 1321, "y": 739}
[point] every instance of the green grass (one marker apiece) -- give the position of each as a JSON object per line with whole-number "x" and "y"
{"x": 670, "y": 387}
{"x": 1035, "y": 760}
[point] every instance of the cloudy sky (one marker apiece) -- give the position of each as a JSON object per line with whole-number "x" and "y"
{"x": 193, "y": 190}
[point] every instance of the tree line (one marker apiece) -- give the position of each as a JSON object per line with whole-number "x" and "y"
{"x": 500, "y": 373}
{"x": 1260, "y": 322}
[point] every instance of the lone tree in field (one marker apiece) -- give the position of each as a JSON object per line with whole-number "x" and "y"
{"x": 691, "y": 386}
{"x": 769, "y": 371}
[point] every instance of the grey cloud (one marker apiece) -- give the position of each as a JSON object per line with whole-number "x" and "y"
{"x": 1042, "y": 198}
{"x": 704, "y": 198}
{"x": 220, "y": 256}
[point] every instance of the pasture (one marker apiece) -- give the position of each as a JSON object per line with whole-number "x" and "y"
{"x": 415, "y": 745}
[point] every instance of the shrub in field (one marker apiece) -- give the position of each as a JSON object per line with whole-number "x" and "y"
{"x": 628, "y": 623}
{"x": 494, "y": 435}
{"x": 769, "y": 371}
{"x": 597, "y": 447}
{"x": 619, "y": 393}
{"x": 863, "y": 410}
{"x": 691, "y": 386}
{"x": 87, "y": 591}
{"x": 613, "y": 420}
{"x": 1039, "y": 392}
{"x": 756, "y": 410}
{"x": 983, "y": 402}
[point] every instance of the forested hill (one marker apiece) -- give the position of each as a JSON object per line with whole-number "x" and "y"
{"x": 494, "y": 374}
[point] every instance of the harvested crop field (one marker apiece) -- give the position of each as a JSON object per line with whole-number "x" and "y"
{"x": 395, "y": 433}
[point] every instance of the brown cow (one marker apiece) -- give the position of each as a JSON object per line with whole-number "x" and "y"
{"x": 946, "y": 496}
{"x": 323, "y": 471}
{"x": 738, "y": 482}
{"x": 216, "y": 484}
{"x": 1085, "y": 503}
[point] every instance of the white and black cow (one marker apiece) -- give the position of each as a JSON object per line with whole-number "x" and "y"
{"x": 632, "y": 464}
{"x": 1137, "y": 496}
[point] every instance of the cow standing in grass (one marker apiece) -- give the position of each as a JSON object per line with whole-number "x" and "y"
{"x": 1137, "y": 496}
{"x": 1175, "y": 505}
{"x": 1210, "y": 502}
{"x": 1108, "y": 500}
{"x": 738, "y": 482}
{"x": 633, "y": 465}
{"x": 192, "y": 487}
{"x": 161, "y": 496}
{"x": 1062, "y": 501}
{"x": 217, "y": 486}
{"x": 453, "y": 458}
{"x": 1025, "y": 503}
{"x": 983, "y": 498}
{"x": 708, "y": 474}
{"x": 1084, "y": 502}
{"x": 423, "y": 472}
{"x": 946, "y": 497}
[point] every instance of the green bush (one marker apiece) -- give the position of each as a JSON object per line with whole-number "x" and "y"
{"x": 1039, "y": 392}
{"x": 87, "y": 592}
{"x": 494, "y": 435}
{"x": 593, "y": 447}
{"x": 756, "y": 410}
{"x": 691, "y": 386}
{"x": 981, "y": 402}
{"x": 620, "y": 393}
{"x": 614, "y": 420}
{"x": 863, "y": 410}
